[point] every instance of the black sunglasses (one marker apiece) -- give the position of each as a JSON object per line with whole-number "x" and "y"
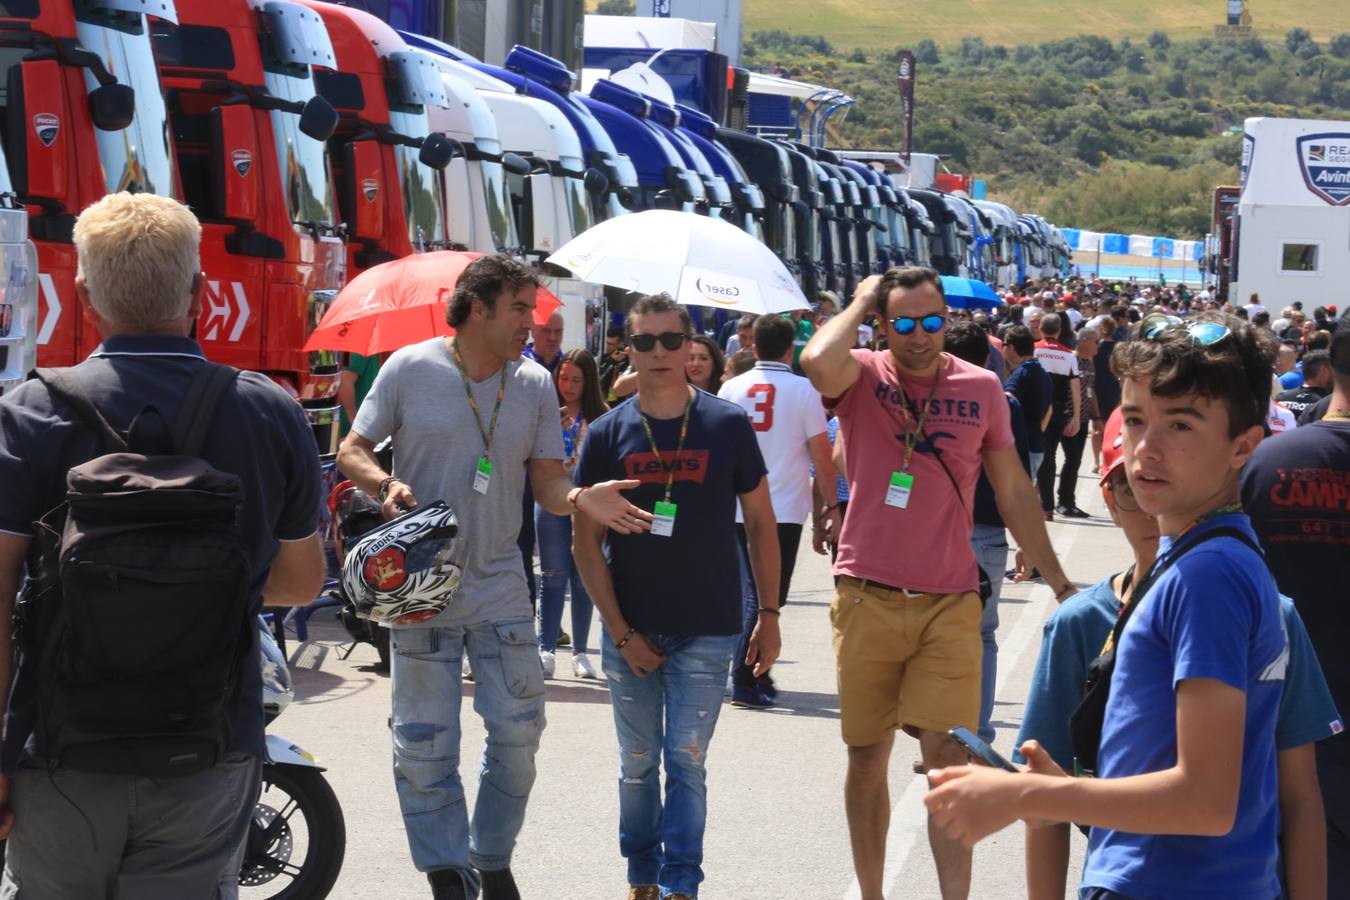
{"x": 671, "y": 340}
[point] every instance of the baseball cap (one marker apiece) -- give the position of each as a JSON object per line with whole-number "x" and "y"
{"x": 1340, "y": 345}
{"x": 1113, "y": 448}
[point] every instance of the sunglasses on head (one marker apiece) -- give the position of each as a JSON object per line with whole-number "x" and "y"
{"x": 1203, "y": 334}
{"x": 931, "y": 323}
{"x": 671, "y": 340}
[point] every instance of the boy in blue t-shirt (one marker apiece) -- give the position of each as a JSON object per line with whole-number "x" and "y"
{"x": 1186, "y": 799}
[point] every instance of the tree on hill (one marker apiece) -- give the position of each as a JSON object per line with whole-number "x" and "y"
{"x": 1340, "y": 46}
{"x": 1300, "y": 43}
{"x": 617, "y": 8}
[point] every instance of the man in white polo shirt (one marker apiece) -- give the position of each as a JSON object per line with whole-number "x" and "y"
{"x": 789, "y": 423}
{"x": 1066, "y": 407}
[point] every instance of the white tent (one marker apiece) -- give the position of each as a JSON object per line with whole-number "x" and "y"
{"x": 633, "y": 31}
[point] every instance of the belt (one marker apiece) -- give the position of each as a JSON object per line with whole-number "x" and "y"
{"x": 867, "y": 583}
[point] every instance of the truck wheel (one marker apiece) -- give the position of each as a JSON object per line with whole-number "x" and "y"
{"x": 297, "y": 839}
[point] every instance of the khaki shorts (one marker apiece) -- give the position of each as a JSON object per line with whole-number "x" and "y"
{"x": 905, "y": 660}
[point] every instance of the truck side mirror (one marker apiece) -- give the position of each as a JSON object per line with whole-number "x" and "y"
{"x": 365, "y": 184}
{"x": 543, "y": 220}
{"x": 437, "y": 151}
{"x": 596, "y": 182}
{"x": 515, "y": 164}
{"x": 318, "y": 119}
{"x": 234, "y": 170}
{"x": 42, "y": 171}
{"x": 112, "y": 106}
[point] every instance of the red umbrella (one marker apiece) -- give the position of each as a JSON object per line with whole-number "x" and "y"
{"x": 399, "y": 303}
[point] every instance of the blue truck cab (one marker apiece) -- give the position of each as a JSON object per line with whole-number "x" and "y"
{"x": 718, "y": 192}
{"x": 748, "y": 206}
{"x": 769, "y": 171}
{"x": 887, "y": 216}
{"x": 663, "y": 180}
{"x": 815, "y": 246}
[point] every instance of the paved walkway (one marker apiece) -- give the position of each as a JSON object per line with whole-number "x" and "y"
{"x": 776, "y": 823}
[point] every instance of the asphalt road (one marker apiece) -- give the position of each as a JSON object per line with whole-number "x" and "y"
{"x": 776, "y": 826}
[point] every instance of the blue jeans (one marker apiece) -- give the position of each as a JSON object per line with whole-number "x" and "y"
{"x": 990, "y": 544}
{"x": 556, "y": 570}
{"x": 670, "y": 713}
{"x": 509, "y": 696}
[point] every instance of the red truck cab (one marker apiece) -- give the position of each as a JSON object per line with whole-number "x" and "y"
{"x": 385, "y": 156}
{"x": 249, "y": 132}
{"x": 82, "y": 116}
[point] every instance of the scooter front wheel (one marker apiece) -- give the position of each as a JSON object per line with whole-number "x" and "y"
{"x": 297, "y": 839}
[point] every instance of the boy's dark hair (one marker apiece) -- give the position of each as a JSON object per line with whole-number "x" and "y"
{"x": 1318, "y": 340}
{"x": 1261, "y": 319}
{"x": 740, "y": 362}
{"x": 615, "y": 331}
{"x": 1314, "y": 362}
{"x": 774, "y": 336}
{"x": 484, "y": 280}
{"x": 1020, "y": 339}
{"x": 1015, "y": 313}
{"x": 905, "y": 277}
{"x": 656, "y": 303}
{"x": 1236, "y": 369}
{"x": 967, "y": 341}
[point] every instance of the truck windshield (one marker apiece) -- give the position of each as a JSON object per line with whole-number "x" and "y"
{"x": 137, "y": 158}
{"x": 301, "y": 159}
{"x": 421, "y": 192}
{"x": 6, "y": 186}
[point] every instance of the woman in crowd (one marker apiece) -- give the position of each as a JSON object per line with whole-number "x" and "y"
{"x": 705, "y": 365}
{"x": 578, "y": 382}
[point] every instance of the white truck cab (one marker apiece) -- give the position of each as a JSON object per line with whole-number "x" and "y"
{"x": 1292, "y": 229}
{"x": 18, "y": 287}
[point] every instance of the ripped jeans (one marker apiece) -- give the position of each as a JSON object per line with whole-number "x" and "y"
{"x": 508, "y": 694}
{"x": 669, "y": 714}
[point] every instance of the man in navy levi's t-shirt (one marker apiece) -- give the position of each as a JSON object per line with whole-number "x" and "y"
{"x": 670, "y": 597}
{"x": 1185, "y": 804}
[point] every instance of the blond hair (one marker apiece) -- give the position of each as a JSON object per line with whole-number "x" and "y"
{"x": 138, "y": 254}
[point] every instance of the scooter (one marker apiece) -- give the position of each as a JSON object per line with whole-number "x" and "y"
{"x": 298, "y": 837}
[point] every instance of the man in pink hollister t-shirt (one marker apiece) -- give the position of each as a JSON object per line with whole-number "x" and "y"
{"x": 917, "y": 426}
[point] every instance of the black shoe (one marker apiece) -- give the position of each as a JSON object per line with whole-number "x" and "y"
{"x": 767, "y": 686}
{"x": 447, "y": 884}
{"x": 1071, "y": 512}
{"x": 499, "y": 885}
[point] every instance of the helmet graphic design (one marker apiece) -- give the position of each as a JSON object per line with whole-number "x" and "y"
{"x": 406, "y": 570}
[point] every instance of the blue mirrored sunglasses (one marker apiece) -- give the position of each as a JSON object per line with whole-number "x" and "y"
{"x": 931, "y": 324}
{"x": 1202, "y": 334}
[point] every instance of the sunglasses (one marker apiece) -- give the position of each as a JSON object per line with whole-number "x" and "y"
{"x": 645, "y": 343}
{"x": 931, "y": 324}
{"x": 1203, "y": 334}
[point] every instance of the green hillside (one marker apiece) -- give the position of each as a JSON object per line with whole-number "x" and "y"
{"x": 873, "y": 25}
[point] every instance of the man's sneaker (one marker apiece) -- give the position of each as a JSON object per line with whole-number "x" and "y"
{"x": 680, "y": 897}
{"x": 564, "y": 639}
{"x": 446, "y": 884}
{"x": 498, "y": 884}
{"x": 466, "y": 669}
{"x": 1071, "y": 512}
{"x": 547, "y": 660}
{"x": 750, "y": 698}
{"x": 767, "y": 686}
{"x": 581, "y": 666}
{"x": 644, "y": 892}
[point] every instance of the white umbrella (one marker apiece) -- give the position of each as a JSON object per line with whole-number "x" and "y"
{"x": 698, "y": 260}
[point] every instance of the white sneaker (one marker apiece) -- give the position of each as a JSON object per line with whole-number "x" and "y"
{"x": 465, "y": 668}
{"x": 581, "y": 666}
{"x": 546, "y": 660}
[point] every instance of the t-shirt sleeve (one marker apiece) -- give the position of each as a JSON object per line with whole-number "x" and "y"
{"x": 998, "y": 435}
{"x": 1056, "y": 690}
{"x": 748, "y": 467}
{"x": 299, "y": 516}
{"x": 379, "y": 412}
{"x": 812, "y": 414}
{"x": 548, "y": 439}
{"x": 867, "y": 379}
{"x": 593, "y": 458}
{"x": 1307, "y": 712}
{"x": 1019, "y": 431}
{"x": 1207, "y": 617}
{"x": 19, "y": 510}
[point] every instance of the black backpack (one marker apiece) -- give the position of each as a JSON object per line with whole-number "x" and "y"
{"x": 135, "y": 618}
{"x": 1085, "y": 725}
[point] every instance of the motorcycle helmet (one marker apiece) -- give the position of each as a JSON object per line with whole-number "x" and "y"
{"x": 355, "y": 513}
{"x": 406, "y": 570}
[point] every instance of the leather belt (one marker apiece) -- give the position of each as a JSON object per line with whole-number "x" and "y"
{"x": 869, "y": 583}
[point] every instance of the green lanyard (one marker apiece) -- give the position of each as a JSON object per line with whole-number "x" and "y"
{"x": 473, "y": 404}
{"x": 912, "y": 437}
{"x": 679, "y": 448}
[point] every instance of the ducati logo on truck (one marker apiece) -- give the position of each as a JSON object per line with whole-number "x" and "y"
{"x": 242, "y": 160}
{"x": 370, "y": 189}
{"x": 47, "y": 126}
{"x": 1324, "y": 160}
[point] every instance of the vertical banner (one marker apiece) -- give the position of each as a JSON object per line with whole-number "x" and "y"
{"x": 905, "y": 79}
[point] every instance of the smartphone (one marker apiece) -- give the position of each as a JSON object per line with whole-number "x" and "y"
{"x": 980, "y": 750}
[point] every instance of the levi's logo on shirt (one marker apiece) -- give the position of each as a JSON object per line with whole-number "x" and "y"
{"x": 692, "y": 465}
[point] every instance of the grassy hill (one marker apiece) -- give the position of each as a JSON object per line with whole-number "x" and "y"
{"x": 876, "y": 25}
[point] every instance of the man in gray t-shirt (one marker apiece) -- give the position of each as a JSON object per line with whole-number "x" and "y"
{"x": 468, "y": 419}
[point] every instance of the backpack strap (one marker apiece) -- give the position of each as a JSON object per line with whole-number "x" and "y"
{"x": 65, "y": 384}
{"x": 199, "y": 407}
